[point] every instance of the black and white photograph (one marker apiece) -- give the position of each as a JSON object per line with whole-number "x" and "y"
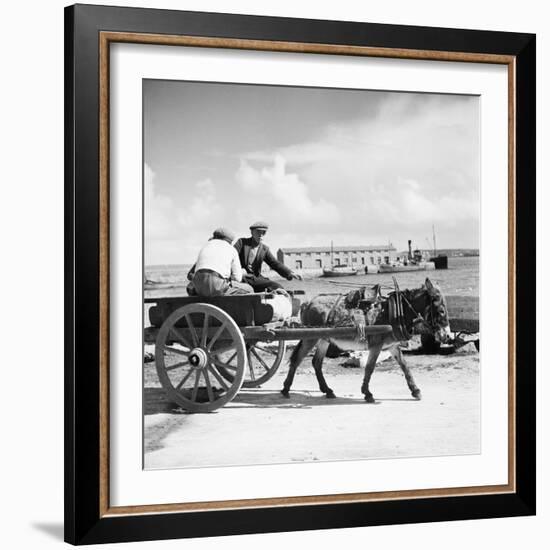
{"x": 310, "y": 275}
{"x": 292, "y": 260}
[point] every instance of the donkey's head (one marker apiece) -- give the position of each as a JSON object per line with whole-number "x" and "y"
{"x": 430, "y": 303}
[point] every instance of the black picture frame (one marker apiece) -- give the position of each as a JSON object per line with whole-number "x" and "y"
{"x": 87, "y": 521}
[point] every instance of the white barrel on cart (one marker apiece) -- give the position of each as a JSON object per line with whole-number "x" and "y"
{"x": 282, "y": 306}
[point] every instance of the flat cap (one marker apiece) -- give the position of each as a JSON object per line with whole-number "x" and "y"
{"x": 259, "y": 225}
{"x": 223, "y": 233}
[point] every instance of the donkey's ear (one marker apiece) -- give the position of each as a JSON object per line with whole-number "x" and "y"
{"x": 429, "y": 285}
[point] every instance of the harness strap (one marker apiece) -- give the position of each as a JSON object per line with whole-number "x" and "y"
{"x": 359, "y": 323}
{"x": 333, "y": 309}
{"x": 397, "y": 316}
{"x": 418, "y": 318}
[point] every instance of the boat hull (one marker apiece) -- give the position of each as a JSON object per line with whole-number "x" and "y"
{"x": 424, "y": 266}
{"x": 339, "y": 272}
{"x": 440, "y": 262}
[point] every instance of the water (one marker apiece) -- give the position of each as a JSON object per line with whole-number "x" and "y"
{"x": 461, "y": 279}
{"x": 168, "y": 275}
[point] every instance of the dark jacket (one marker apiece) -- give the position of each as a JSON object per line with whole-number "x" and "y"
{"x": 263, "y": 254}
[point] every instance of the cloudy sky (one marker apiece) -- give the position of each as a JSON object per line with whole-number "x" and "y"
{"x": 352, "y": 166}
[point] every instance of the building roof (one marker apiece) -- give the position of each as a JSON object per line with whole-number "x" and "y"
{"x": 358, "y": 248}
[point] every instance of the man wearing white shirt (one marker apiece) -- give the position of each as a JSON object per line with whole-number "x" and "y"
{"x": 217, "y": 270}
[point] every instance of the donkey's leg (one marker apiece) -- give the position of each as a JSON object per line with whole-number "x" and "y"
{"x": 320, "y": 353}
{"x": 374, "y": 352}
{"x": 398, "y": 356}
{"x": 300, "y": 351}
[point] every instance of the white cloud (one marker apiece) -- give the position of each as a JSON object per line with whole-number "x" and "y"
{"x": 202, "y": 206}
{"x": 413, "y": 163}
{"x": 159, "y": 209}
{"x": 177, "y": 230}
{"x": 410, "y": 162}
{"x": 410, "y": 205}
{"x": 409, "y": 137}
{"x": 286, "y": 192}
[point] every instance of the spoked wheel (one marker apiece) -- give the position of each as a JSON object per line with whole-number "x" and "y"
{"x": 187, "y": 355}
{"x": 263, "y": 361}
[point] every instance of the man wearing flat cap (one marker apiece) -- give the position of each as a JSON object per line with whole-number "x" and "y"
{"x": 217, "y": 271}
{"x": 253, "y": 252}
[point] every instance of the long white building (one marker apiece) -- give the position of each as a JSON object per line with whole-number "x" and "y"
{"x": 317, "y": 257}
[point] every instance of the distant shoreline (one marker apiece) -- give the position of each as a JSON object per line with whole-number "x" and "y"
{"x": 461, "y": 279}
{"x": 452, "y": 252}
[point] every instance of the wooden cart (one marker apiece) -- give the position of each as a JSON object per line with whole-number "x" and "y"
{"x": 206, "y": 349}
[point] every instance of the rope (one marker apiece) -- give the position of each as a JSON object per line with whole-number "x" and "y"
{"x": 327, "y": 322}
{"x": 360, "y": 326}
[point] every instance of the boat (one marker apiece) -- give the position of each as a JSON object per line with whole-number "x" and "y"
{"x": 341, "y": 270}
{"x": 440, "y": 261}
{"x": 413, "y": 266}
{"x": 413, "y": 261}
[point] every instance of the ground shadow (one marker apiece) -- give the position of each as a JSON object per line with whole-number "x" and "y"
{"x": 156, "y": 402}
{"x": 421, "y": 351}
{"x": 54, "y": 530}
{"x": 299, "y": 399}
{"x": 273, "y": 399}
{"x": 404, "y": 399}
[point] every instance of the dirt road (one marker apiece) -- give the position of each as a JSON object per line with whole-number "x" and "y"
{"x": 260, "y": 426}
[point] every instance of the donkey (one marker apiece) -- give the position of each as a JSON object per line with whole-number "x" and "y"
{"x": 424, "y": 311}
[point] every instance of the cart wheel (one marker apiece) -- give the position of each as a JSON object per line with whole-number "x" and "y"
{"x": 264, "y": 360}
{"x": 188, "y": 360}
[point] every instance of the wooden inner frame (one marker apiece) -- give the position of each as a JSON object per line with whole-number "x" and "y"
{"x": 105, "y": 39}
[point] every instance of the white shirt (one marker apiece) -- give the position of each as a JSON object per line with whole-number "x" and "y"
{"x": 221, "y": 257}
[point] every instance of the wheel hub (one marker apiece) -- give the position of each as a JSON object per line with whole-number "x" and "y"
{"x": 198, "y": 358}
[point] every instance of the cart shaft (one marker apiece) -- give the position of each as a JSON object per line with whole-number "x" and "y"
{"x": 310, "y": 333}
{"x": 271, "y": 334}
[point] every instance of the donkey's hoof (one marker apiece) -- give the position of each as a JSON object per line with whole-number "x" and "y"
{"x": 369, "y": 399}
{"x": 285, "y": 393}
{"x": 330, "y": 395}
{"x": 417, "y": 394}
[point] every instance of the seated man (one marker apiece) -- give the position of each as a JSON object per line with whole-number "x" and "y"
{"x": 252, "y": 253}
{"x": 217, "y": 271}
